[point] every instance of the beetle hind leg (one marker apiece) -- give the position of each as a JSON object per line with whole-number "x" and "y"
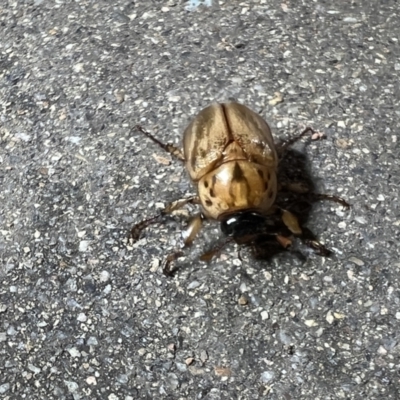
{"x": 170, "y": 148}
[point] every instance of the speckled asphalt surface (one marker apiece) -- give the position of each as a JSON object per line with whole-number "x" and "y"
{"x": 86, "y": 315}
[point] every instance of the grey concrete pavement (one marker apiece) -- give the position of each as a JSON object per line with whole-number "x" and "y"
{"x": 86, "y": 315}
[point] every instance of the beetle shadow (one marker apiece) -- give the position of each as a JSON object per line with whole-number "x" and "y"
{"x": 297, "y": 183}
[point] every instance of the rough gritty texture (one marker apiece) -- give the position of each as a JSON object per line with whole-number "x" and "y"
{"x": 84, "y": 315}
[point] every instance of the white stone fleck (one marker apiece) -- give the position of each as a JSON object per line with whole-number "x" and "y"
{"x": 310, "y": 322}
{"x": 350, "y": 274}
{"x": 360, "y": 220}
{"x": 33, "y": 368}
{"x": 4, "y": 387}
{"x": 72, "y": 386}
{"x": 356, "y": 261}
{"x": 23, "y": 136}
{"x": 267, "y": 376}
{"x": 73, "y": 139}
{"x": 338, "y": 315}
{"x": 92, "y": 341}
{"x": 83, "y": 245}
{"x": 91, "y": 380}
{"x": 74, "y": 352}
{"x": 104, "y": 276}
{"x": 350, "y": 19}
{"x": 79, "y": 67}
{"x": 82, "y": 317}
{"x": 382, "y": 351}
{"x": 329, "y": 317}
{"x": 264, "y": 315}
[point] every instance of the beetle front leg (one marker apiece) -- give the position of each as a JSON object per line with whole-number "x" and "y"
{"x": 167, "y": 269}
{"x": 170, "y": 148}
{"x": 171, "y": 207}
{"x": 303, "y": 233}
{"x": 281, "y": 149}
{"x": 193, "y": 228}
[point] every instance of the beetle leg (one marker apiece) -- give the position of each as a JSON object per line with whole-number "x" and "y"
{"x": 304, "y": 234}
{"x": 294, "y": 187}
{"x": 312, "y": 197}
{"x": 284, "y": 241}
{"x": 318, "y": 247}
{"x": 192, "y": 229}
{"x": 291, "y": 222}
{"x": 175, "y": 205}
{"x": 301, "y": 189}
{"x": 167, "y": 270}
{"x": 138, "y": 228}
{"x": 283, "y": 147}
{"x": 310, "y": 240}
{"x": 208, "y": 255}
{"x": 170, "y": 148}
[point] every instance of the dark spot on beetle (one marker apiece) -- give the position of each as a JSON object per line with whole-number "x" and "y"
{"x": 208, "y": 203}
{"x": 261, "y": 174}
{"x": 237, "y": 173}
{"x": 212, "y": 194}
{"x": 266, "y": 186}
{"x": 206, "y": 184}
{"x": 271, "y": 194}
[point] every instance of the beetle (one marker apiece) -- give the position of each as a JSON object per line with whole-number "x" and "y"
{"x": 232, "y": 160}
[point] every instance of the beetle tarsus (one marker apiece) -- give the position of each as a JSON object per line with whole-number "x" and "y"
{"x": 318, "y": 247}
{"x": 167, "y": 265}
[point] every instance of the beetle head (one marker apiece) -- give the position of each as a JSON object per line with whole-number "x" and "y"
{"x": 244, "y": 224}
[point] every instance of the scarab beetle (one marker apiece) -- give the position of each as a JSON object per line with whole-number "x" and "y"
{"x": 231, "y": 158}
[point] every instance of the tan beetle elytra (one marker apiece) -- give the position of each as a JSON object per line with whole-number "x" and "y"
{"x": 231, "y": 158}
{"x": 230, "y": 155}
